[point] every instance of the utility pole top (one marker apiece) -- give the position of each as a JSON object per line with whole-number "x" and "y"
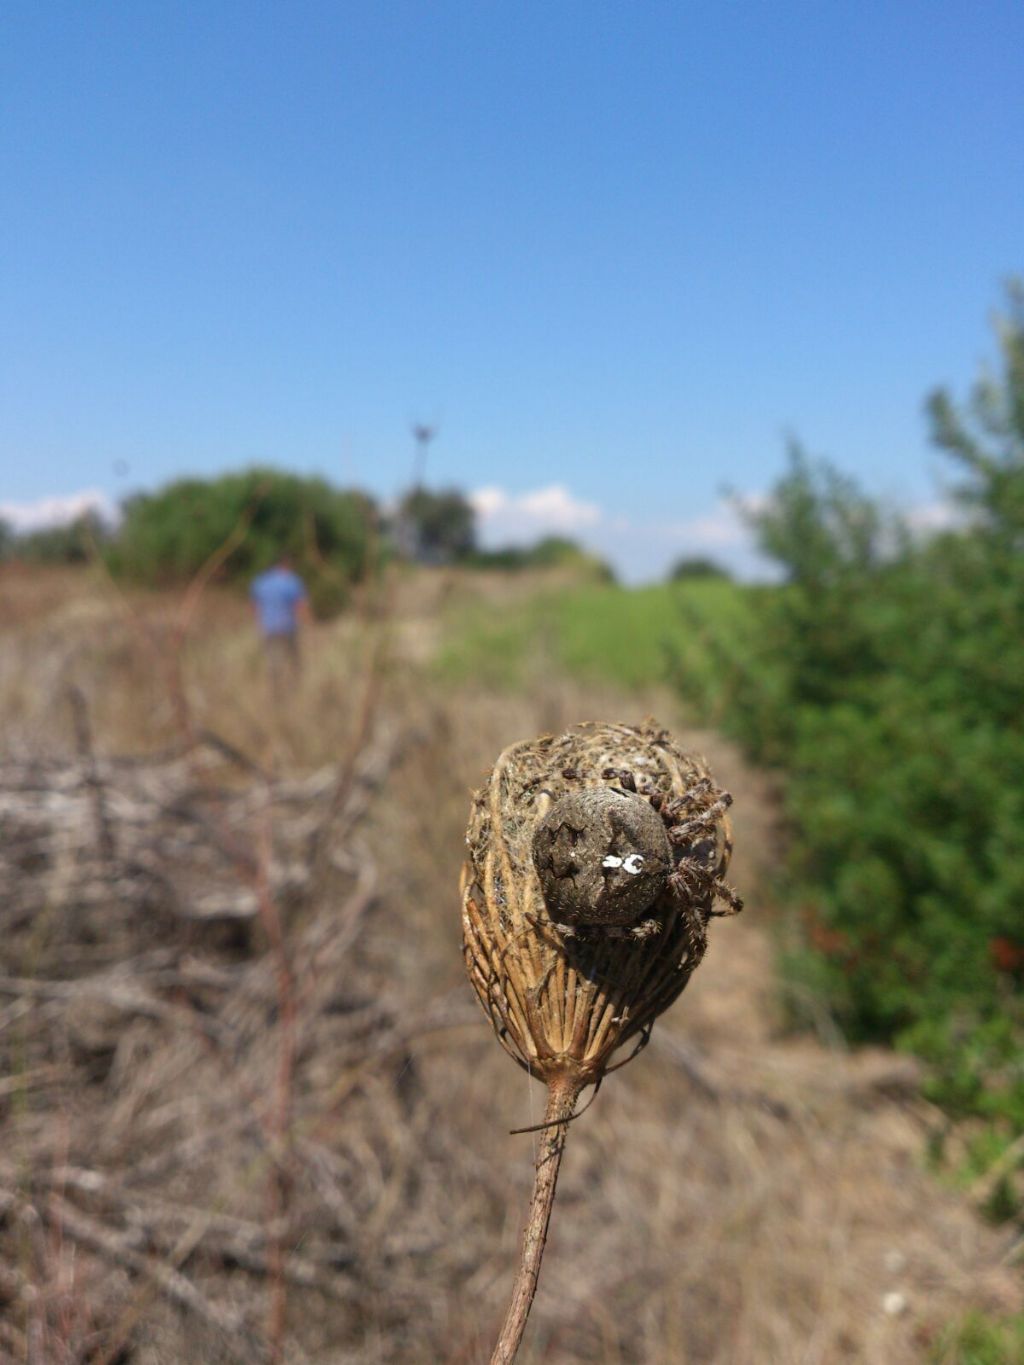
{"x": 423, "y": 434}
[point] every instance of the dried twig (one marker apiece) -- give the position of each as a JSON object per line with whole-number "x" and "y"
{"x": 558, "y": 1111}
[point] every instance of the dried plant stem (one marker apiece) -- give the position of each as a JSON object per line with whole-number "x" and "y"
{"x": 563, "y": 1092}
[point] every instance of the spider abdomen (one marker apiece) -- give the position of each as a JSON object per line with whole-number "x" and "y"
{"x": 602, "y": 855}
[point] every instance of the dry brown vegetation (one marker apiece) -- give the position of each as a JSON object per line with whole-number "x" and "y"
{"x": 249, "y": 1109}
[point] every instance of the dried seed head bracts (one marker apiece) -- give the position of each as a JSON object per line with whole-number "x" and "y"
{"x": 595, "y": 861}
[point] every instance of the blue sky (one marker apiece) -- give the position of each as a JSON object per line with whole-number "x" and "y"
{"x": 616, "y": 251}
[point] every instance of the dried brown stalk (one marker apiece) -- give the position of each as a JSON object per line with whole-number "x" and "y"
{"x": 595, "y": 862}
{"x": 558, "y": 1111}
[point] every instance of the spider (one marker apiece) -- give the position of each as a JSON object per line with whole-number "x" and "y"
{"x": 605, "y": 855}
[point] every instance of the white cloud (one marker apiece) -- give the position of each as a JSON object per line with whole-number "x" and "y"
{"x": 723, "y": 528}
{"x": 488, "y": 502}
{"x": 556, "y": 507}
{"x": 639, "y": 550}
{"x": 720, "y": 529}
{"x": 644, "y": 549}
{"x": 56, "y": 511}
{"x": 726, "y": 528}
{"x": 507, "y": 516}
{"x": 936, "y": 515}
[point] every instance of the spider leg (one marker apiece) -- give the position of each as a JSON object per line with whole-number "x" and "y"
{"x": 623, "y": 776}
{"x": 724, "y": 892}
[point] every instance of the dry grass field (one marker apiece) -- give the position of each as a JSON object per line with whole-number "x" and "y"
{"x": 249, "y": 1108}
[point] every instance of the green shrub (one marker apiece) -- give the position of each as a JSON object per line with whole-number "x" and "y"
{"x": 551, "y": 552}
{"x": 696, "y": 566}
{"x": 885, "y": 678}
{"x": 252, "y": 518}
{"x": 74, "y": 543}
{"x": 981, "y": 1340}
{"x": 434, "y": 527}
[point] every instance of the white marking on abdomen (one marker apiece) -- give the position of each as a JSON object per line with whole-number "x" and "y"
{"x": 632, "y": 864}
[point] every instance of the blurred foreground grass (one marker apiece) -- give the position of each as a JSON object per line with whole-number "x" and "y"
{"x": 742, "y": 1193}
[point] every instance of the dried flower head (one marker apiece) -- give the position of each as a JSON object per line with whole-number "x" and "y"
{"x": 595, "y": 862}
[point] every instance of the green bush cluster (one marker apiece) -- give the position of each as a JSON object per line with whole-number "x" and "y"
{"x": 886, "y": 678}
{"x": 251, "y": 518}
{"x": 696, "y": 566}
{"x": 73, "y": 543}
{"x": 434, "y": 527}
{"x": 981, "y": 1340}
{"x": 550, "y": 552}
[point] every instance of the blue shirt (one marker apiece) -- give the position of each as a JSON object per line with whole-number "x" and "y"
{"x": 277, "y": 593}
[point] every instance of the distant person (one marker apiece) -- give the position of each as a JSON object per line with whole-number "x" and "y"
{"x": 280, "y": 600}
